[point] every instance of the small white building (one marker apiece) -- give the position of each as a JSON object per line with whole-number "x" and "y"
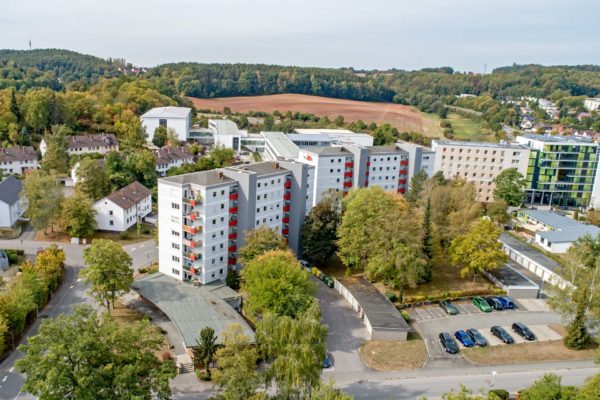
{"x": 18, "y": 159}
{"x": 592, "y": 104}
{"x": 340, "y": 136}
{"x": 122, "y": 209}
{"x": 177, "y": 118}
{"x": 101, "y": 143}
{"x": 169, "y": 157}
{"x": 12, "y": 205}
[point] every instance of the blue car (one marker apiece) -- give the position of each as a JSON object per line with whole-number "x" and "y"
{"x": 464, "y": 339}
{"x": 507, "y": 302}
{"x": 327, "y": 362}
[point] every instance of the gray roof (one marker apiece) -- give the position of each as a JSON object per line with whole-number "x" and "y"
{"x": 165, "y": 155}
{"x": 318, "y": 137}
{"x": 261, "y": 168}
{"x": 529, "y": 252}
{"x": 380, "y": 312}
{"x": 129, "y": 196}
{"x": 202, "y": 178}
{"x": 224, "y": 126}
{"x": 552, "y": 219}
{"x": 10, "y": 190}
{"x": 509, "y": 275}
{"x": 569, "y": 234}
{"x": 281, "y": 144}
{"x": 561, "y": 139}
{"x": 192, "y": 308}
{"x": 18, "y": 153}
{"x": 168, "y": 112}
{"x": 328, "y": 151}
{"x": 504, "y": 145}
{"x": 385, "y": 150}
{"x": 98, "y": 140}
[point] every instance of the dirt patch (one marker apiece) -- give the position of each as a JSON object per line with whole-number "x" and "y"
{"x": 522, "y": 353}
{"x": 394, "y": 355}
{"x": 405, "y": 118}
{"x": 560, "y": 329}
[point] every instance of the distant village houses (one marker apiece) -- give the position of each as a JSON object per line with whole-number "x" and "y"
{"x": 101, "y": 143}
{"x": 18, "y": 159}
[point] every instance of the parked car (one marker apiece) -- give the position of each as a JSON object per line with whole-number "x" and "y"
{"x": 477, "y": 337}
{"x": 448, "y": 307}
{"x": 507, "y": 302}
{"x": 501, "y": 334}
{"x": 495, "y": 303}
{"x": 482, "y": 304}
{"x": 448, "y": 343}
{"x": 305, "y": 264}
{"x": 327, "y": 363}
{"x": 464, "y": 339}
{"x": 523, "y": 331}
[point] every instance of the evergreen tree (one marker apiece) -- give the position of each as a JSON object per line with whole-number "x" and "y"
{"x": 206, "y": 347}
{"x": 427, "y": 243}
{"x": 577, "y": 335}
{"x": 417, "y": 183}
{"x": 14, "y": 106}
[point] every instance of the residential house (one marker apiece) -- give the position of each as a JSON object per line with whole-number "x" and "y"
{"x": 101, "y": 143}
{"x": 169, "y": 157}
{"x": 177, "y": 118}
{"x": 592, "y": 104}
{"x": 124, "y": 208}
{"x": 12, "y": 204}
{"x": 18, "y": 159}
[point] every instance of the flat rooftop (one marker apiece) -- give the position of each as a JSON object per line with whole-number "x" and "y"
{"x": 281, "y": 144}
{"x": 566, "y": 235}
{"x": 261, "y": 168}
{"x": 299, "y": 137}
{"x": 315, "y": 131}
{"x": 505, "y": 145}
{"x": 529, "y": 252}
{"x": 385, "y": 150}
{"x": 328, "y": 151}
{"x": 571, "y": 139}
{"x": 552, "y": 219}
{"x": 508, "y": 275}
{"x": 380, "y": 312}
{"x": 202, "y": 178}
{"x": 192, "y": 308}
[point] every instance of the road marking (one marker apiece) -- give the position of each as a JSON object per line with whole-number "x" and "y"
{"x": 4, "y": 379}
{"x": 71, "y": 287}
{"x": 142, "y": 245}
{"x": 133, "y": 249}
{"x": 11, "y": 369}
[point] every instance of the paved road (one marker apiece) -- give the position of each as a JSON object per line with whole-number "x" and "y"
{"x": 71, "y": 292}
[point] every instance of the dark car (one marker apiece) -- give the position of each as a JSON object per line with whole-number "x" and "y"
{"x": 501, "y": 334}
{"x": 523, "y": 331}
{"x": 477, "y": 337}
{"x": 494, "y": 303}
{"x": 507, "y": 302}
{"x": 448, "y": 307}
{"x": 448, "y": 343}
{"x": 305, "y": 264}
{"x": 327, "y": 362}
{"x": 464, "y": 339}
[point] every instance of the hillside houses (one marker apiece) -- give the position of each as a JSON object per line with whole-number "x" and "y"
{"x": 84, "y": 144}
{"x": 169, "y": 157}
{"x": 18, "y": 159}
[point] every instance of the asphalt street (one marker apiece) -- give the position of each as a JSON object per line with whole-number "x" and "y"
{"x": 72, "y": 292}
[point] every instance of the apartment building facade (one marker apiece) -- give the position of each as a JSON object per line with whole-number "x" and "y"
{"x": 561, "y": 171}
{"x": 203, "y": 216}
{"x": 479, "y": 163}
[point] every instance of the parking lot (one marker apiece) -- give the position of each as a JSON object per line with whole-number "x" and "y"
{"x": 432, "y": 319}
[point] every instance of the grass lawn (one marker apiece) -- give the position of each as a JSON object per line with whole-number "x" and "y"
{"x": 522, "y": 353}
{"x": 464, "y": 128}
{"x": 132, "y": 236}
{"x": 394, "y": 355}
{"x": 334, "y": 267}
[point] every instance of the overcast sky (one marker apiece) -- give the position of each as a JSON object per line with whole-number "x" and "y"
{"x": 406, "y": 34}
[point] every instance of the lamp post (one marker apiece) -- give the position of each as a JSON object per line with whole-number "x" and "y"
{"x": 494, "y": 373}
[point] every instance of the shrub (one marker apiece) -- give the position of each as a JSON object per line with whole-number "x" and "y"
{"x": 13, "y": 258}
{"x": 391, "y": 296}
{"x": 145, "y": 229}
{"x": 501, "y": 394}
{"x": 201, "y": 374}
{"x": 124, "y": 235}
{"x": 405, "y": 315}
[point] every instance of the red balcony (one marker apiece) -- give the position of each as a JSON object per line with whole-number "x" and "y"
{"x": 402, "y": 190}
{"x": 233, "y": 210}
{"x": 191, "y": 229}
{"x": 367, "y": 173}
{"x": 403, "y": 171}
{"x": 192, "y": 243}
{"x": 193, "y": 271}
{"x": 286, "y": 220}
{"x": 287, "y": 196}
{"x": 287, "y": 184}
{"x": 233, "y": 196}
{"x": 348, "y": 174}
{"x": 349, "y": 164}
{"x": 284, "y": 231}
{"x": 193, "y": 216}
{"x": 232, "y": 235}
{"x": 404, "y": 163}
{"x": 366, "y": 183}
{"x": 286, "y": 208}
{"x": 368, "y": 163}
{"x": 402, "y": 181}
{"x": 192, "y": 255}
{"x": 231, "y": 261}
{"x": 233, "y": 222}
{"x": 231, "y": 249}
{"x": 347, "y": 184}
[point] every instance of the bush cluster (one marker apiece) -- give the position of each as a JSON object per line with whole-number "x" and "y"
{"x": 28, "y": 292}
{"x": 453, "y": 295}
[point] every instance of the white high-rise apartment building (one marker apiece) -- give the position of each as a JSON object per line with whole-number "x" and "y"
{"x": 479, "y": 163}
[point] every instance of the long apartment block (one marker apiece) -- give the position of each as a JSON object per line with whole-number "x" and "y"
{"x": 203, "y": 216}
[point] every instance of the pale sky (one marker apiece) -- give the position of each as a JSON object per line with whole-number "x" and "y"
{"x": 464, "y": 34}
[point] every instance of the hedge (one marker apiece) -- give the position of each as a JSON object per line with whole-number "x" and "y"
{"x": 452, "y": 295}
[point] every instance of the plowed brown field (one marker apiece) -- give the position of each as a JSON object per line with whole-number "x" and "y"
{"x": 405, "y": 118}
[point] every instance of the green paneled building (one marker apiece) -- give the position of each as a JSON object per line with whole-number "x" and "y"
{"x": 561, "y": 170}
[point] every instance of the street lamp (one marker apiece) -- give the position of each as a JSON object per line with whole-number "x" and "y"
{"x": 494, "y": 373}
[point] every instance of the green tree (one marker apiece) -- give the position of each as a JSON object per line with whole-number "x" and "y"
{"x": 497, "y": 211}
{"x": 84, "y": 356}
{"x": 259, "y": 241}
{"x": 44, "y": 197}
{"x": 108, "y": 271}
{"x": 56, "y": 159}
{"x": 39, "y": 107}
{"x": 141, "y": 165}
{"x": 478, "y": 250}
{"x": 510, "y": 187}
{"x": 130, "y": 130}
{"x": 3, "y": 333}
{"x": 92, "y": 179}
{"x": 590, "y": 389}
{"x": 275, "y": 282}
{"x": 548, "y": 387}
{"x": 578, "y": 298}
{"x": 205, "y": 349}
{"x": 172, "y": 139}
{"x": 417, "y": 184}
{"x": 78, "y": 215}
{"x": 427, "y": 241}
{"x": 160, "y": 136}
{"x": 319, "y": 231}
{"x": 236, "y": 376}
{"x": 327, "y": 391}
{"x": 294, "y": 350}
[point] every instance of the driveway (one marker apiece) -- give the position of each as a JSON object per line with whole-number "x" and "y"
{"x": 346, "y": 331}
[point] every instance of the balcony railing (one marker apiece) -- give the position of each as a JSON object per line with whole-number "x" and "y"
{"x": 286, "y": 208}
{"x": 348, "y": 174}
{"x": 233, "y": 222}
{"x": 192, "y": 216}
{"x": 347, "y": 184}
{"x": 192, "y": 255}
{"x": 231, "y": 261}
{"x": 233, "y": 210}
{"x": 286, "y": 220}
{"x": 232, "y": 235}
{"x": 284, "y": 231}
{"x": 233, "y": 196}
{"x": 287, "y": 196}
{"x": 192, "y": 229}
{"x": 192, "y": 243}
{"x": 403, "y": 171}
{"x": 404, "y": 163}
{"x": 287, "y": 184}
{"x": 349, "y": 164}
{"x": 232, "y": 249}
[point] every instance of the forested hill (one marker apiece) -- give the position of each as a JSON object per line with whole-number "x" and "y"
{"x": 65, "y": 65}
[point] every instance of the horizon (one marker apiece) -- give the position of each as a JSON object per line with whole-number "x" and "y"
{"x": 469, "y": 36}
